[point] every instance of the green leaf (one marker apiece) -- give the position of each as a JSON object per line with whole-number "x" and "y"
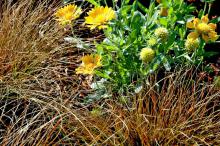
{"x": 142, "y": 7}
{"x": 156, "y": 65}
{"x": 93, "y": 2}
{"x": 163, "y": 21}
{"x": 125, "y": 10}
{"x": 187, "y": 57}
{"x": 132, "y": 36}
{"x": 216, "y": 20}
{"x": 210, "y": 54}
{"x": 166, "y": 63}
{"x": 103, "y": 75}
{"x": 137, "y": 21}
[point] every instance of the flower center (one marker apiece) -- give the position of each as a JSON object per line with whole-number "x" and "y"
{"x": 203, "y": 28}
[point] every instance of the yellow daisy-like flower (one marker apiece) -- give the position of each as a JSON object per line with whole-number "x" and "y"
{"x": 89, "y": 63}
{"x": 67, "y": 14}
{"x": 99, "y": 17}
{"x": 203, "y": 28}
{"x": 147, "y": 55}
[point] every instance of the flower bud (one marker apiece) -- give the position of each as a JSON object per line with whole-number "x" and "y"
{"x": 191, "y": 44}
{"x": 163, "y": 11}
{"x": 147, "y": 55}
{"x": 152, "y": 41}
{"x": 161, "y": 33}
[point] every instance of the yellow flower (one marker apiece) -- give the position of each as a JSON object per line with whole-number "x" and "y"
{"x": 147, "y": 55}
{"x": 203, "y": 28}
{"x": 89, "y": 63}
{"x": 161, "y": 33}
{"x": 67, "y": 14}
{"x": 99, "y": 17}
{"x": 191, "y": 44}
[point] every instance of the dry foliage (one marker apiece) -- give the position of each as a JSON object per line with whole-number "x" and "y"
{"x": 44, "y": 107}
{"x": 27, "y": 33}
{"x": 184, "y": 111}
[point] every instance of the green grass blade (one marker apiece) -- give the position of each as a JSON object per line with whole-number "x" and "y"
{"x": 93, "y": 2}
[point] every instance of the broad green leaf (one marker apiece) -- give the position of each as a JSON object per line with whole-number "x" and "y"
{"x": 137, "y": 21}
{"x": 163, "y": 21}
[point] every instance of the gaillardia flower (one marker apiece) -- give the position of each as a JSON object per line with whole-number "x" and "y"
{"x": 191, "y": 44}
{"x": 161, "y": 33}
{"x": 203, "y": 28}
{"x": 67, "y": 14}
{"x": 99, "y": 17}
{"x": 147, "y": 55}
{"x": 89, "y": 63}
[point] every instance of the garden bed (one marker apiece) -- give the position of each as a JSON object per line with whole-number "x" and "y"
{"x": 97, "y": 73}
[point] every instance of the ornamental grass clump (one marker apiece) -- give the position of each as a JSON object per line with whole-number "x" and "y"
{"x": 27, "y": 35}
{"x": 181, "y": 111}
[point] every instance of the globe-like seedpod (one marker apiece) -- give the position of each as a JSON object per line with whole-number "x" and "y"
{"x": 191, "y": 44}
{"x": 147, "y": 55}
{"x": 161, "y": 33}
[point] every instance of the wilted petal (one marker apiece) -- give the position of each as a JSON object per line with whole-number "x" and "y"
{"x": 189, "y": 25}
{"x": 196, "y": 21}
{"x": 193, "y": 35}
{"x": 205, "y": 19}
{"x": 213, "y": 36}
{"x": 205, "y": 38}
{"x": 213, "y": 26}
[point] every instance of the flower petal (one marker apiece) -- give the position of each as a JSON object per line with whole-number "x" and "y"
{"x": 98, "y": 17}
{"x": 212, "y": 25}
{"x": 84, "y": 70}
{"x": 196, "y": 22}
{"x": 213, "y": 36}
{"x": 205, "y": 37}
{"x": 205, "y": 19}
{"x": 193, "y": 35}
{"x": 190, "y": 25}
{"x": 86, "y": 59}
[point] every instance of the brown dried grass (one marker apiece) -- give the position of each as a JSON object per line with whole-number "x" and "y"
{"x": 27, "y": 34}
{"x": 45, "y": 108}
{"x": 184, "y": 111}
